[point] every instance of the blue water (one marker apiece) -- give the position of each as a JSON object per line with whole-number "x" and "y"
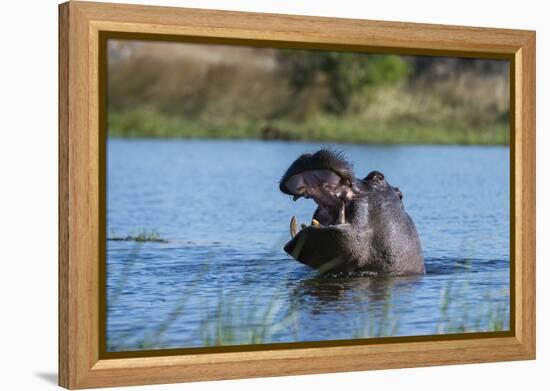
{"x": 222, "y": 276}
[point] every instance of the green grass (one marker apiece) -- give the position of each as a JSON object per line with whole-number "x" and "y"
{"x": 228, "y": 320}
{"x": 226, "y": 328}
{"x": 403, "y": 129}
{"x": 486, "y": 316}
{"x": 141, "y": 236}
{"x": 230, "y": 323}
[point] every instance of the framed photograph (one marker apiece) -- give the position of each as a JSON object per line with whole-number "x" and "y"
{"x": 246, "y": 195}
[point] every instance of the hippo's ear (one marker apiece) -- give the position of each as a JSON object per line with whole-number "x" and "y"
{"x": 398, "y": 192}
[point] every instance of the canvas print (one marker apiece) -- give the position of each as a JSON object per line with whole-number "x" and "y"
{"x": 261, "y": 195}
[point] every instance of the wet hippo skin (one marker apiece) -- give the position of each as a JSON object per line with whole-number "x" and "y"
{"x": 360, "y": 225}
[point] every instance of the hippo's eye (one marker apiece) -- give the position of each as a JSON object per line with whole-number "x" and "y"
{"x": 379, "y": 177}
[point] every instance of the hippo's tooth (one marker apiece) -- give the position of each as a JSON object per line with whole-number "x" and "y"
{"x": 296, "y": 197}
{"x": 342, "y": 214}
{"x": 303, "y": 226}
{"x": 293, "y": 227}
{"x": 315, "y": 223}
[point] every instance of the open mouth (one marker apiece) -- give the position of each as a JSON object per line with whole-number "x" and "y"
{"x": 329, "y": 191}
{"x": 316, "y": 223}
{"x": 324, "y": 177}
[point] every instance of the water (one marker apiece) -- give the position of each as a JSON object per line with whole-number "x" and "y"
{"x": 223, "y": 278}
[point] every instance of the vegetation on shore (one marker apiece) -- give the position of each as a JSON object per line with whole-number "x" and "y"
{"x": 144, "y": 123}
{"x": 161, "y": 90}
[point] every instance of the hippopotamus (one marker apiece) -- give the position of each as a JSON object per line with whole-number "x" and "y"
{"x": 360, "y": 225}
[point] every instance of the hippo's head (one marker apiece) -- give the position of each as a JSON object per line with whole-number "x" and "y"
{"x": 359, "y": 224}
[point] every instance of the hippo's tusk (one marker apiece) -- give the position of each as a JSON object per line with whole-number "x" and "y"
{"x": 293, "y": 227}
{"x": 342, "y": 214}
{"x": 315, "y": 223}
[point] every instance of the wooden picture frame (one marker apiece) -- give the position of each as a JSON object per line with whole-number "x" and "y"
{"x": 84, "y": 26}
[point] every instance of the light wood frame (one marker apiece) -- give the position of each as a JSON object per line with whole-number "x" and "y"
{"x": 81, "y": 164}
